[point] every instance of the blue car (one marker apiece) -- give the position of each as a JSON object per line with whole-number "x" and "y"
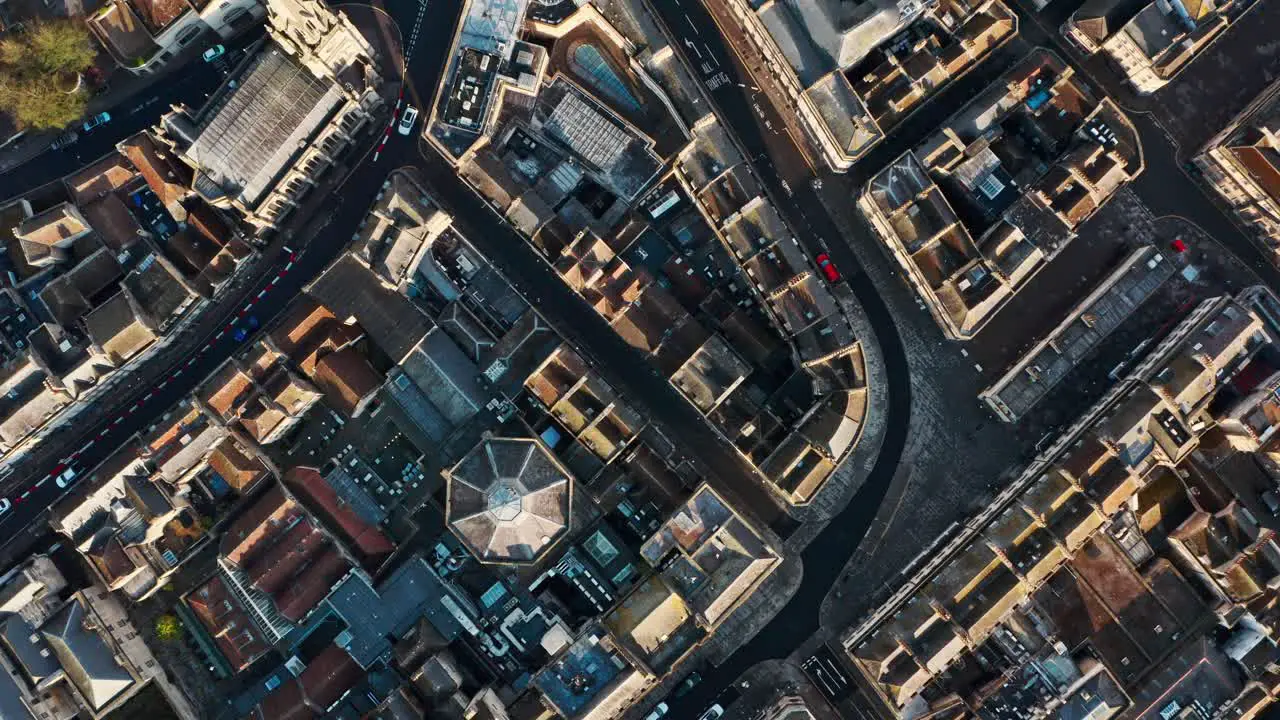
{"x": 242, "y": 331}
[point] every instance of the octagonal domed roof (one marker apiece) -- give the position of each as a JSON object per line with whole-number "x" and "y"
{"x": 508, "y": 500}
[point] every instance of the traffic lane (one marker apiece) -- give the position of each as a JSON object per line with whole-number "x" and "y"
{"x": 190, "y": 85}
{"x": 99, "y": 443}
{"x": 292, "y": 271}
{"x": 1166, "y": 189}
{"x": 824, "y": 670}
{"x": 428, "y": 37}
{"x": 825, "y": 557}
{"x": 578, "y": 323}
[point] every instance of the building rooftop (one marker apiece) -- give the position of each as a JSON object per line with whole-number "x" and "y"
{"x": 391, "y": 609}
{"x": 350, "y": 290}
{"x": 89, "y": 661}
{"x": 222, "y": 614}
{"x": 248, "y": 139}
{"x": 509, "y": 500}
{"x": 587, "y": 670}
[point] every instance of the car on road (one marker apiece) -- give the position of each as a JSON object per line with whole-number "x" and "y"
{"x": 712, "y": 713}
{"x": 214, "y": 53}
{"x": 1178, "y": 245}
{"x": 828, "y": 269}
{"x": 407, "y": 119}
{"x": 96, "y": 121}
{"x": 687, "y": 684}
{"x": 5, "y": 504}
{"x": 657, "y": 712}
{"x": 67, "y": 138}
{"x": 1272, "y": 500}
{"x": 64, "y": 480}
{"x": 243, "y": 331}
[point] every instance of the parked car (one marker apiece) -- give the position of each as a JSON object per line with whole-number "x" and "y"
{"x": 5, "y": 504}
{"x": 711, "y": 713}
{"x": 828, "y": 269}
{"x": 688, "y": 684}
{"x": 96, "y": 121}
{"x": 242, "y": 331}
{"x": 1272, "y": 501}
{"x": 214, "y": 53}
{"x": 67, "y": 138}
{"x": 407, "y": 119}
{"x": 657, "y": 712}
{"x": 64, "y": 480}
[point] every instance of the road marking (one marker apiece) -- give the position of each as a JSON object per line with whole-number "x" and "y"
{"x": 87, "y": 445}
{"x": 104, "y": 433}
{"x": 289, "y": 266}
{"x": 118, "y": 421}
{"x": 275, "y": 280}
{"x": 42, "y": 482}
{"x": 261, "y": 293}
{"x": 26, "y": 494}
{"x": 248, "y": 307}
{"x": 146, "y": 397}
{"x": 219, "y": 335}
{"x": 176, "y": 374}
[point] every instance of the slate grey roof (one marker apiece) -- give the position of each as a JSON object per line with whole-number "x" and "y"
{"x": 508, "y": 499}
{"x": 85, "y": 655}
{"x": 29, "y": 648}
{"x": 373, "y": 616}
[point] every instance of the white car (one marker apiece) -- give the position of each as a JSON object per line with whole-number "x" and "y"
{"x": 66, "y": 477}
{"x": 407, "y": 120}
{"x": 658, "y": 712}
{"x": 214, "y": 53}
{"x": 712, "y": 713}
{"x": 5, "y": 504}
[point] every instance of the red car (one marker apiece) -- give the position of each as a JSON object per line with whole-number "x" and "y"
{"x": 824, "y": 262}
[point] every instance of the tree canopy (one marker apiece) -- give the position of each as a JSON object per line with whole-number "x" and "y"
{"x": 168, "y": 628}
{"x": 39, "y": 71}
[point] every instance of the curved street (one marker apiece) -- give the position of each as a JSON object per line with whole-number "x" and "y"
{"x": 1164, "y": 187}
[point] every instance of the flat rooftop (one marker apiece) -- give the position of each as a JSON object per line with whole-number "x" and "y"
{"x": 469, "y": 90}
{"x": 1096, "y": 317}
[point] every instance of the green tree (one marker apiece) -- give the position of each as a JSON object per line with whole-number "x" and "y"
{"x": 168, "y": 628}
{"x": 40, "y": 71}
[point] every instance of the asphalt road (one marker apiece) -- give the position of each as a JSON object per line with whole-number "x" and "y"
{"x": 35, "y": 487}
{"x": 32, "y": 486}
{"x": 625, "y": 368}
{"x": 825, "y": 557}
{"x": 1165, "y": 188}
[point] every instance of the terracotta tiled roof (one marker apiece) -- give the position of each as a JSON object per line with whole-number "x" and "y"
{"x": 365, "y": 537}
{"x": 237, "y": 467}
{"x": 252, "y": 530}
{"x": 272, "y": 571}
{"x": 168, "y": 178}
{"x": 329, "y": 675}
{"x": 347, "y": 379}
{"x": 226, "y": 620}
{"x": 311, "y": 585}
